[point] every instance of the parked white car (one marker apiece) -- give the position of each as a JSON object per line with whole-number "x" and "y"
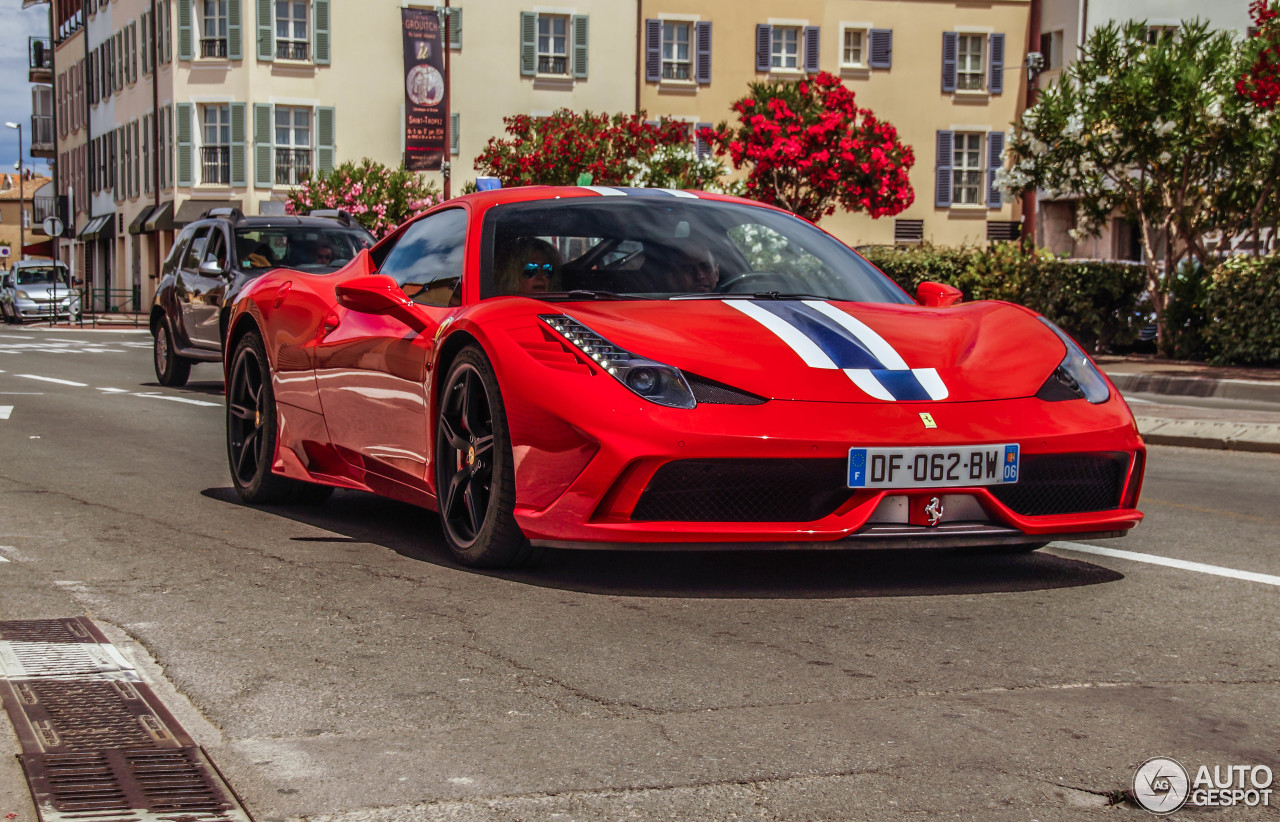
{"x": 38, "y": 290}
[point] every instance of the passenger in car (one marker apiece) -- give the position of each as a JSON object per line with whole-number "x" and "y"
{"x": 529, "y": 266}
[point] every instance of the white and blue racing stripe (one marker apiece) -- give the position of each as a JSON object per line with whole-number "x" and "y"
{"x": 623, "y": 191}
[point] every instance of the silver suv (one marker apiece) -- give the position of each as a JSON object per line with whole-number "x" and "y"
{"x": 38, "y": 290}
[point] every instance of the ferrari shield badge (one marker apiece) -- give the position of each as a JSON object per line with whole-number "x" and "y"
{"x": 927, "y": 419}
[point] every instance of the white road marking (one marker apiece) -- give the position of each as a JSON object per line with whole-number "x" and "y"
{"x": 1181, "y": 564}
{"x": 54, "y": 380}
{"x": 55, "y": 339}
{"x": 5, "y": 411}
{"x": 4, "y": 559}
{"x": 154, "y": 395}
{"x": 21, "y": 393}
{"x": 112, "y": 390}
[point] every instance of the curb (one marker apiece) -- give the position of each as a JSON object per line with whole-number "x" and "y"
{"x": 1168, "y": 384}
{"x": 1221, "y": 436}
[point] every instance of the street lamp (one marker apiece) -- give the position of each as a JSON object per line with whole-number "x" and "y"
{"x": 22, "y": 221}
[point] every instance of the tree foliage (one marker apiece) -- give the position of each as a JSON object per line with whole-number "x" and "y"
{"x": 380, "y": 198}
{"x": 811, "y": 150}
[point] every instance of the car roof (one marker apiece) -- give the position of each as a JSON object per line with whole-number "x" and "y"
{"x": 38, "y": 263}
{"x": 281, "y": 221}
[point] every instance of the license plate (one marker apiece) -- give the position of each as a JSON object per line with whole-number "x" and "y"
{"x": 941, "y": 467}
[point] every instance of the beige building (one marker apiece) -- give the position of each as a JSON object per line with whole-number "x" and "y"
{"x": 17, "y": 200}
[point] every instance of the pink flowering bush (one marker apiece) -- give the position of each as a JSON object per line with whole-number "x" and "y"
{"x": 380, "y": 198}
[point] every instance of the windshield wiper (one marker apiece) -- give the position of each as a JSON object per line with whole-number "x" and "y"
{"x": 585, "y": 294}
{"x": 758, "y": 295}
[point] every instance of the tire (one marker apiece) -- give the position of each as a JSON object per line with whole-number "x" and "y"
{"x": 252, "y": 430}
{"x": 475, "y": 472}
{"x": 171, "y": 370}
{"x": 4, "y": 313}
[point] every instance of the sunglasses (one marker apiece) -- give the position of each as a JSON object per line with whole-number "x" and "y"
{"x": 532, "y": 270}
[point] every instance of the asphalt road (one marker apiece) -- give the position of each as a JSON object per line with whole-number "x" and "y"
{"x": 336, "y": 665}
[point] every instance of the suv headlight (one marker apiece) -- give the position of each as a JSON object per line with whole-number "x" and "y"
{"x": 1076, "y": 377}
{"x": 655, "y": 381}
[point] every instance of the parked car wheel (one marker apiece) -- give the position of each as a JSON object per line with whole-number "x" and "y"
{"x": 171, "y": 369}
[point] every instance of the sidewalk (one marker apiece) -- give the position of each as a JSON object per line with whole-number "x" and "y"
{"x": 1200, "y": 406}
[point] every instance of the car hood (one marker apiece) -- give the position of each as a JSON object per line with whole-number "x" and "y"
{"x": 834, "y": 351}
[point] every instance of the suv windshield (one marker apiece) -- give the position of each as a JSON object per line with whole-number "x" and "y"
{"x": 309, "y": 248}
{"x": 42, "y": 275}
{"x": 659, "y": 247}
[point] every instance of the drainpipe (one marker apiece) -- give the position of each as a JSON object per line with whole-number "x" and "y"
{"x": 1033, "y": 94}
{"x": 639, "y": 50}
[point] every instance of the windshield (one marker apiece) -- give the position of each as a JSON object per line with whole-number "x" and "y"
{"x": 308, "y": 248}
{"x": 43, "y": 275}
{"x": 662, "y": 247}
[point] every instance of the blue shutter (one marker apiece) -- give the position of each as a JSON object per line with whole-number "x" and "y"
{"x": 764, "y": 46}
{"x": 266, "y": 33}
{"x": 235, "y": 49}
{"x": 653, "y": 51}
{"x": 579, "y": 26}
{"x": 184, "y": 150}
{"x": 322, "y": 32}
{"x": 324, "y": 139}
{"x": 950, "y": 47}
{"x": 995, "y": 161}
{"x": 942, "y": 187}
{"x": 995, "y": 48}
{"x": 701, "y": 148}
{"x": 186, "y": 43}
{"x": 811, "y": 43}
{"x": 881, "y": 48}
{"x": 263, "y": 137}
{"x": 239, "y": 176}
{"x": 455, "y": 139}
{"x": 528, "y": 44}
{"x": 702, "y": 37}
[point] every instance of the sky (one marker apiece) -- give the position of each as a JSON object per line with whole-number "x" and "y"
{"x": 16, "y": 25}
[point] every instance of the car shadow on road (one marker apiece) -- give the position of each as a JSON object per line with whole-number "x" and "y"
{"x": 414, "y": 533}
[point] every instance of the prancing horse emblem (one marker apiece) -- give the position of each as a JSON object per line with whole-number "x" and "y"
{"x": 933, "y": 511}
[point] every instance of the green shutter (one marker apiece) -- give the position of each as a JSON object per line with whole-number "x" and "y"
{"x": 263, "y": 132}
{"x": 235, "y": 49}
{"x": 186, "y": 45}
{"x": 322, "y": 32}
{"x": 528, "y": 44}
{"x": 455, "y": 28}
{"x": 183, "y": 130}
{"x": 238, "y": 173}
{"x": 266, "y": 34}
{"x": 580, "y": 46}
{"x": 324, "y": 139}
{"x": 455, "y": 125}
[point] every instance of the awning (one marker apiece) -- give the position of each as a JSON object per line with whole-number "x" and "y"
{"x": 44, "y": 249}
{"x": 100, "y": 228}
{"x": 192, "y": 210}
{"x": 136, "y": 227}
{"x": 160, "y": 219}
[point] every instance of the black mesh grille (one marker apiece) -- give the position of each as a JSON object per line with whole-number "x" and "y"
{"x": 1065, "y": 483}
{"x": 714, "y": 393}
{"x": 744, "y": 490}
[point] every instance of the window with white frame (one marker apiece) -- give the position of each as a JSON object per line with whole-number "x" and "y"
{"x": 292, "y": 36}
{"x": 213, "y": 29}
{"x": 215, "y": 150}
{"x": 853, "y": 48}
{"x": 969, "y": 71}
{"x": 966, "y": 173}
{"x": 786, "y": 47}
{"x": 553, "y": 44}
{"x": 293, "y": 145}
{"x": 677, "y": 57}
{"x": 1157, "y": 33}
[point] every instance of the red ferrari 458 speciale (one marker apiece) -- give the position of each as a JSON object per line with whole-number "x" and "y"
{"x": 597, "y": 367}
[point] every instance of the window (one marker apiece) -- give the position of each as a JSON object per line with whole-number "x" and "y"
{"x": 553, "y": 40}
{"x": 1157, "y": 33}
{"x": 677, "y": 59}
{"x": 427, "y": 259}
{"x": 292, "y": 37}
{"x": 969, "y": 62}
{"x": 786, "y": 48}
{"x": 213, "y": 32}
{"x": 853, "y": 48}
{"x": 966, "y": 174}
{"x": 215, "y": 153}
{"x": 293, "y": 145}
{"x": 195, "y": 251}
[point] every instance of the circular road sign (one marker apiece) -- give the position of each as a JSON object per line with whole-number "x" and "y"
{"x": 53, "y": 226}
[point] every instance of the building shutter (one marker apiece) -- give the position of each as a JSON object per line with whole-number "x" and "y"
{"x": 182, "y": 129}
{"x": 455, "y": 138}
{"x": 653, "y": 51}
{"x": 881, "y": 48}
{"x": 324, "y": 139}
{"x": 811, "y": 43}
{"x": 764, "y": 46}
{"x": 186, "y": 44}
{"x": 266, "y": 33}
{"x": 942, "y": 187}
{"x": 702, "y": 36}
{"x": 995, "y": 161}
{"x": 143, "y": 47}
{"x": 455, "y": 28}
{"x": 950, "y": 46}
{"x": 701, "y": 148}
{"x": 579, "y": 23}
{"x": 528, "y": 44}
{"x": 263, "y": 134}
{"x": 322, "y": 32}
{"x": 168, "y": 31}
{"x": 995, "y": 48}
{"x": 238, "y": 150}
{"x": 235, "y": 43}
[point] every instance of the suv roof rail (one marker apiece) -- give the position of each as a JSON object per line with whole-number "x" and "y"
{"x": 341, "y": 215}
{"x": 234, "y": 214}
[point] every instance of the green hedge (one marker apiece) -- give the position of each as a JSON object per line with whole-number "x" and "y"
{"x": 1242, "y": 311}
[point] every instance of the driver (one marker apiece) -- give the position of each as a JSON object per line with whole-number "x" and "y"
{"x": 695, "y": 270}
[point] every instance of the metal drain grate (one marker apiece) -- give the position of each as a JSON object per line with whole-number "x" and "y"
{"x": 58, "y": 647}
{"x": 60, "y": 716}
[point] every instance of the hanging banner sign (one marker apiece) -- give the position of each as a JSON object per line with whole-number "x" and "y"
{"x": 425, "y": 95}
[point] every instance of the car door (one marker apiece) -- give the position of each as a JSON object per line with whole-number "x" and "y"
{"x": 371, "y": 369}
{"x": 206, "y": 304}
{"x": 189, "y": 285}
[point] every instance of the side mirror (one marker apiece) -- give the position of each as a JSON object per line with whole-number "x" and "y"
{"x": 379, "y": 294}
{"x": 937, "y": 295}
{"x": 209, "y": 268}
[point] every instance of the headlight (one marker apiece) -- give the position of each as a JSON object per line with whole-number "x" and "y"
{"x": 22, "y": 295}
{"x": 1076, "y": 377}
{"x": 655, "y": 381}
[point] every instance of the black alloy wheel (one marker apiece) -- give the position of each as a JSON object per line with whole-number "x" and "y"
{"x": 475, "y": 474}
{"x": 171, "y": 370}
{"x": 251, "y": 432}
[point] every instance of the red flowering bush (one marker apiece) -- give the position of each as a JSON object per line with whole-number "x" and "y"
{"x": 618, "y": 149}
{"x": 1261, "y": 83}
{"x": 811, "y": 150}
{"x": 380, "y": 198}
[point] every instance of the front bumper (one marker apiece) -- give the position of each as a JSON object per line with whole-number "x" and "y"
{"x": 44, "y": 309}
